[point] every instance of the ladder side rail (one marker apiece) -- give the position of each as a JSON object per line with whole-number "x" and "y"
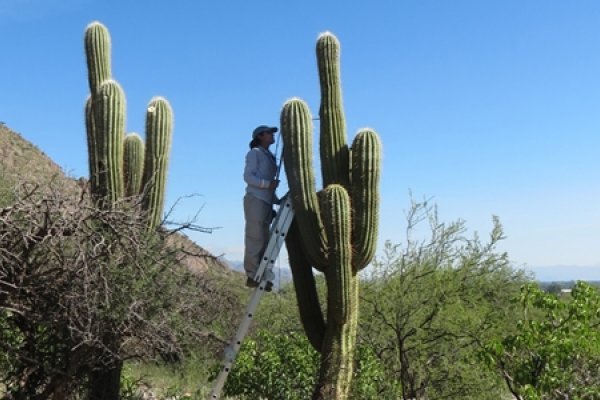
{"x": 233, "y": 349}
{"x": 265, "y": 271}
{"x": 279, "y": 229}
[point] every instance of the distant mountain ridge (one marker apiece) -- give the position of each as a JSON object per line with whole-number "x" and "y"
{"x": 555, "y": 273}
{"x": 283, "y": 274}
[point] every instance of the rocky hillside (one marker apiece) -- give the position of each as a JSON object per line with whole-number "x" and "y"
{"x": 21, "y": 161}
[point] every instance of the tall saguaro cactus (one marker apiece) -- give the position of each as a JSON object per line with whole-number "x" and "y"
{"x": 121, "y": 165}
{"x": 336, "y": 229}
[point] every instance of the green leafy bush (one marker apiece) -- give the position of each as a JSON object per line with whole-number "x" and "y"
{"x": 285, "y": 367}
{"x": 555, "y": 353}
{"x": 274, "y": 366}
{"x": 428, "y": 303}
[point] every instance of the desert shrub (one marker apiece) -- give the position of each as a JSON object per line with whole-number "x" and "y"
{"x": 284, "y": 366}
{"x": 273, "y": 366}
{"x": 82, "y": 289}
{"x": 428, "y": 304}
{"x": 555, "y": 351}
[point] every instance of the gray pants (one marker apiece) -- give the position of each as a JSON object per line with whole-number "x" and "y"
{"x": 258, "y": 215}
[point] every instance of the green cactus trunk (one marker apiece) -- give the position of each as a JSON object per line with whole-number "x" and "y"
{"x": 133, "y": 164}
{"x": 336, "y": 229}
{"x": 342, "y": 294}
{"x": 159, "y": 129}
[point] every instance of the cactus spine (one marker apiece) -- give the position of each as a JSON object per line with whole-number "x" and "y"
{"x": 336, "y": 229}
{"x": 122, "y": 166}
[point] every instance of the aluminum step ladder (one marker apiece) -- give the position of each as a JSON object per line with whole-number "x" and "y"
{"x": 278, "y": 232}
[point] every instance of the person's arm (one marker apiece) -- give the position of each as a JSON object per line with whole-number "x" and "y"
{"x": 251, "y": 171}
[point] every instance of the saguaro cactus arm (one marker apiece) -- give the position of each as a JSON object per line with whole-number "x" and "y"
{"x": 159, "y": 130}
{"x": 333, "y": 141}
{"x": 133, "y": 163}
{"x": 311, "y": 314}
{"x": 366, "y": 167}
{"x": 109, "y": 117}
{"x": 97, "y": 52}
{"x": 296, "y": 128}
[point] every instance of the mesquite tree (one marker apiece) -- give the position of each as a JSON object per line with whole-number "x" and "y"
{"x": 335, "y": 230}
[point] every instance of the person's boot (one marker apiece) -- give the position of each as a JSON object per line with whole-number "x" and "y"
{"x": 251, "y": 283}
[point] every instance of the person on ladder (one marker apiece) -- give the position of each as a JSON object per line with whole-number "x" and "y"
{"x": 260, "y": 177}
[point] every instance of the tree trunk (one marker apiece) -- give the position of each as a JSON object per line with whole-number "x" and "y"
{"x": 106, "y": 384}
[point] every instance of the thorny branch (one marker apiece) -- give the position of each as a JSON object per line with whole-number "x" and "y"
{"x": 82, "y": 287}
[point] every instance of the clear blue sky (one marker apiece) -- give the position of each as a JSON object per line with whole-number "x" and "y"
{"x": 488, "y": 107}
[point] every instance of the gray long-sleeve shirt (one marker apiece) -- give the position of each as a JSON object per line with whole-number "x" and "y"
{"x": 259, "y": 172}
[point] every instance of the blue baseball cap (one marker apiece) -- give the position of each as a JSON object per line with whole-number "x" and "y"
{"x": 262, "y": 129}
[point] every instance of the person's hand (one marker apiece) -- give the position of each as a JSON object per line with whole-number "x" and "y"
{"x": 273, "y": 185}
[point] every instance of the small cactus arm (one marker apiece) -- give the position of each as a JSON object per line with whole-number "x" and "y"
{"x": 133, "y": 163}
